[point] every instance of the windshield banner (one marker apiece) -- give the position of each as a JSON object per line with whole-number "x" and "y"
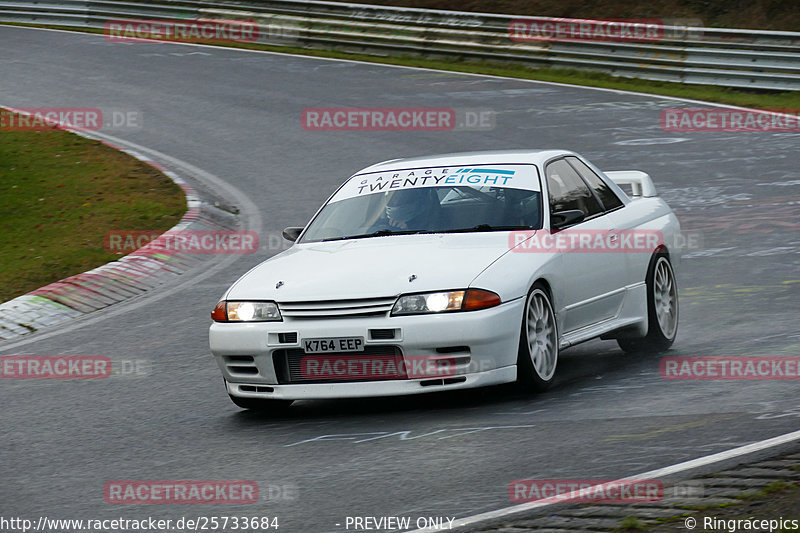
{"x": 511, "y": 176}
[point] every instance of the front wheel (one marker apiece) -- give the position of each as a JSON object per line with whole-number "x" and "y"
{"x": 662, "y": 309}
{"x": 538, "y": 343}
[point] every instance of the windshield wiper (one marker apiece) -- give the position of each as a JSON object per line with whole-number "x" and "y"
{"x": 385, "y": 232}
{"x": 485, "y": 227}
{"x": 379, "y": 233}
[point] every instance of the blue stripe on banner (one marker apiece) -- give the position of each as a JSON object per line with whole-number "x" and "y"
{"x": 492, "y": 171}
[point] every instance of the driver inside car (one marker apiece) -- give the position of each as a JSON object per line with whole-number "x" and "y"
{"x": 408, "y": 210}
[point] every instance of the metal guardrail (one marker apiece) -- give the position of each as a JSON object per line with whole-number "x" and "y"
{"x": 714, "y": 56}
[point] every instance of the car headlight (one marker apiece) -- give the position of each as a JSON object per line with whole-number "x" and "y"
{"x": 232, "y": 311}
{"x": 444, "y": 301}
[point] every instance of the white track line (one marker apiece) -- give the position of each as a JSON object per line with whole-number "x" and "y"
{"x": 652, "y": 474}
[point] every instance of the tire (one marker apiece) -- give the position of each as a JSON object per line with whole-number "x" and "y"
{"x": 662, "y": 309}
{"x": 261, "y": 404}
{"x": 538, "y": 341}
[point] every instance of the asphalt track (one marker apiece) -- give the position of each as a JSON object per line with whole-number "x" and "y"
{"x": 236, "y": 115}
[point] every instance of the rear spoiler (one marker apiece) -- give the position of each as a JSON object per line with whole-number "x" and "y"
{"x": 641, "y": 183}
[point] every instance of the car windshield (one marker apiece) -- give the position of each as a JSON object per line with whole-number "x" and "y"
{"x": 431, "y": 200}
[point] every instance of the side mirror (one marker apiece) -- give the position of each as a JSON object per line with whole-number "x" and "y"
{"x": 292, "y": 233}
{"x": 562, "y": 219}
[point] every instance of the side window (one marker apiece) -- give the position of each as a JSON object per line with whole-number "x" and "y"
{"x": 607, "y": 196}
{"x": 568, "y": 191}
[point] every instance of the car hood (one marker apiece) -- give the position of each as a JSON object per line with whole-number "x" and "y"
{"x": 372, "y": 267}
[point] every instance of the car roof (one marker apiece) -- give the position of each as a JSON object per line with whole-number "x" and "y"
{"x": 468, "y": 158}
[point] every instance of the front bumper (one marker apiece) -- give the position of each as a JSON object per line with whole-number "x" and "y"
{"x": 366, "y": 389}
{"x": 482, "y": 345}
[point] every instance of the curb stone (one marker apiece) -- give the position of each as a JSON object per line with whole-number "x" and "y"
{"x": 140, "y": 271}
{"x": 725, "y": 487}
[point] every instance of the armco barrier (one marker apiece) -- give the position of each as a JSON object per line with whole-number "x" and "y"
{"x": 682, "y": 53}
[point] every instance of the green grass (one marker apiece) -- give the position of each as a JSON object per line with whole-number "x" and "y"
{"x": 631, "y": 524}
{"x": 774, "y": 487}
{"x": 775, "y": 499}
{"x": 759, "y": 99}
{"x": 707, "y": 507}
{"x": 60, "y": 194}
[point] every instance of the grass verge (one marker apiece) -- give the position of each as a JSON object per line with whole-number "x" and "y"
{"x": 779, "y": 499}
{"x": 59, "y": 195}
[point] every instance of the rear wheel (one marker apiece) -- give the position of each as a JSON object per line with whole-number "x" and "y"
{"x": 538, "y": 343}
{"x": 662, "y": 309}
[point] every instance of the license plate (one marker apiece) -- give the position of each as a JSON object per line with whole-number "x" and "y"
{"x": 334, "y": 344}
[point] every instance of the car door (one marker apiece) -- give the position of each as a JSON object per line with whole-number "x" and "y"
{"x": 620, "y": 216}
{"x": 595, "y": 278}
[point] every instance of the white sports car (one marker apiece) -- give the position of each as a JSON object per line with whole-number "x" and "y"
{"x": 452, "y": 271}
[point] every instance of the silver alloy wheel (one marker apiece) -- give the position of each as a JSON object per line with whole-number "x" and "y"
{"x": 665, "y": 297}
{"x": 541, "y": 334}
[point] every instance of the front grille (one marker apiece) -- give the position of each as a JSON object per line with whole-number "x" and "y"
{"x": 375, "y": 363}
{"x": 287, "y": 338}
{"x": 381, "y": 334}
{"x": 363, "y": 307}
